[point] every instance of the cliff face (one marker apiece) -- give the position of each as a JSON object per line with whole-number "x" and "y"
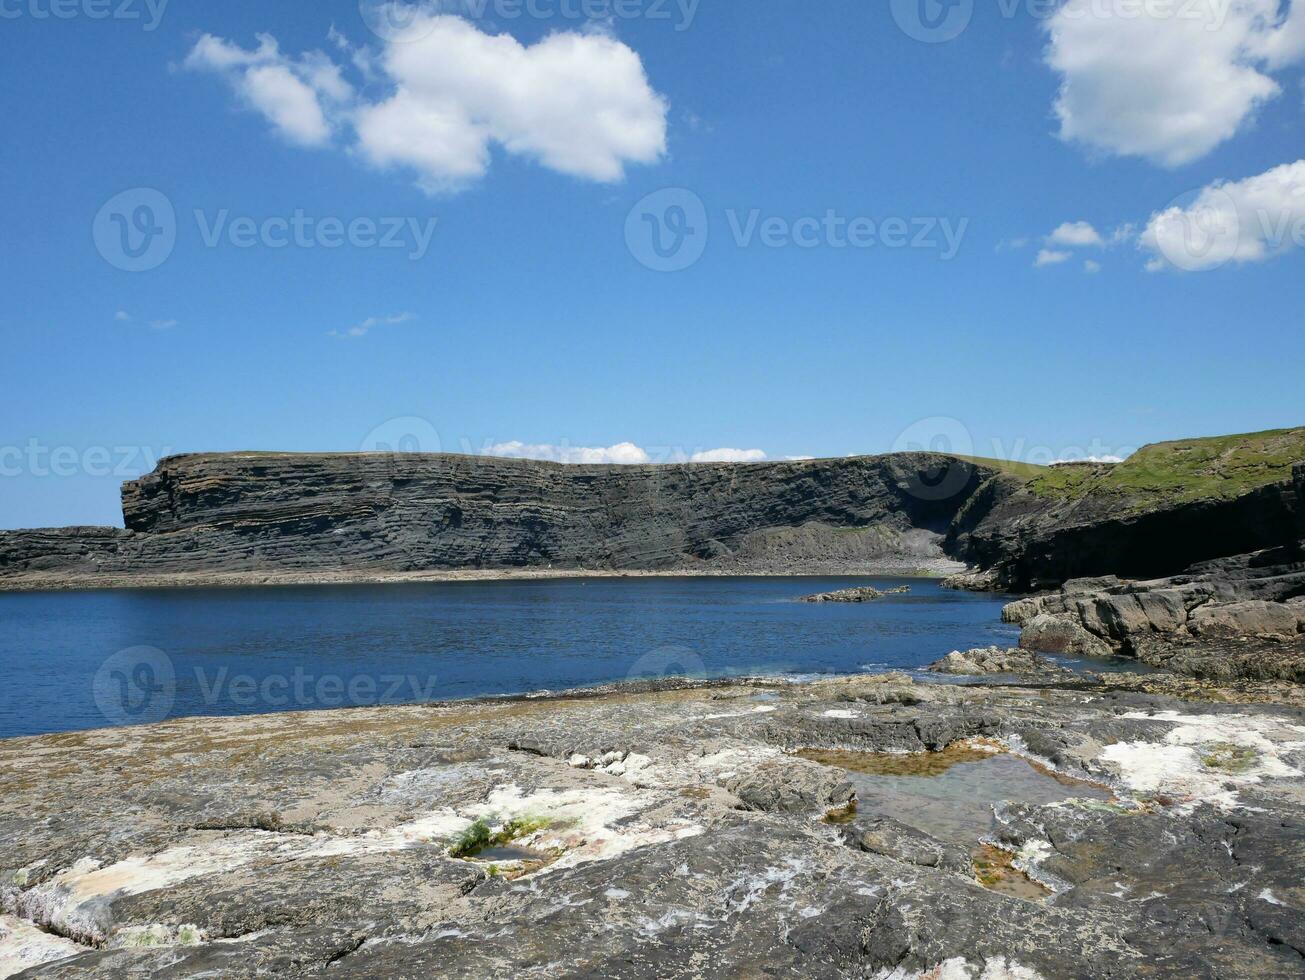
{"x": 1036, "y": 540}
{"x": 1166, "y": 509}
{"x": 414, "y": 512}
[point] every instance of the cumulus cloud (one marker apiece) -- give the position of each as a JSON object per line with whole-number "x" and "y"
{"x": 579, "y": 103}
{"x": 1242, "y": 221}
{"x": 1072, "y": 458}
{"x": 623, "y": 454}
{"x": 728, "y": 456}
{"x": 289, "y": 93}
{"x": 1076, "y": 234}
{"x": 1050, "y": 256}
{"x": 1168, "y": 81}
{"x": 366, "y": 326}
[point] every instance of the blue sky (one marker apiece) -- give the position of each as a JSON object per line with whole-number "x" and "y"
{"x": 530, "y": 316}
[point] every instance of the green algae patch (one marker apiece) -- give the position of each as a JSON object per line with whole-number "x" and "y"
{"x": 925, "y": 764}
{"x": 995, "y": 870}
{"x": 1229, "y": 758}
{"x": 479, "y": 838}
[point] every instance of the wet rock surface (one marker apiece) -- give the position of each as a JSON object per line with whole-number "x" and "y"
{"x": 681, "y": 838}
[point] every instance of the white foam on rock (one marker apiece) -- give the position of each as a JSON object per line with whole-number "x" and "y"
{"x": 23, "y": 946}
{"x": 958, "y": 968}
{"x": 1176, "y": 766}
{"x": 69, "y": 902}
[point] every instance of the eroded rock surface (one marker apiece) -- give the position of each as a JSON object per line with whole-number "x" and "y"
{"x": 680, "y": 838}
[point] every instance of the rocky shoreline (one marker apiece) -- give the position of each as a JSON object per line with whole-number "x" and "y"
{"x": 937, "y": 568}
{"x": 671, "y": 833}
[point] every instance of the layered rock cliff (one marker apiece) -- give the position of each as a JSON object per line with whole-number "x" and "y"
{"x": 257, "y": 511}
{"x": 1167, "y": 508}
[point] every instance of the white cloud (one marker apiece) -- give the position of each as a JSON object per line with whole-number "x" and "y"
{"x": 577, "y": 102}
{"x": 1168, "y": 81}
{"x": 1240, "y": 221}
{"x": 366, "y": 326}
{"x": 1076, "y": 234}
{"x": 625, "y": 453}
{"x": 122, "y": 316}
{"x": 798, "y": 459}
{"x": 1091, "y": 267}
{"x": 290, "y": 94}
{"x": 1048, "y": 256}
{"x": 1086, "y": 459}
{"x": 728, "y": 456}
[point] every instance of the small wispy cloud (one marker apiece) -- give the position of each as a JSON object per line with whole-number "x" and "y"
{"x": 1091, "y": 267}
{"x": 1076, "y": 234}
{"x": 1049, "y": 256}
{"x": 367, "y": 326}
{"x": 122, "y": 316}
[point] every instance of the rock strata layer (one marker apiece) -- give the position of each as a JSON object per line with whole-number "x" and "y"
{"x": 410, "y": 512}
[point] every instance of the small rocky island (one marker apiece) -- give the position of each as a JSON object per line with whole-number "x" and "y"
{"x": 865, "y": 593}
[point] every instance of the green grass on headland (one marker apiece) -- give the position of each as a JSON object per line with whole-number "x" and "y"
{"x": 1220, "y": 467}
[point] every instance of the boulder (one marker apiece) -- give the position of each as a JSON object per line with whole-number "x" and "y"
{"x": 994, "y": 660}
{"x": 1265, "y": 620}
{"x": 1055, "y": 634}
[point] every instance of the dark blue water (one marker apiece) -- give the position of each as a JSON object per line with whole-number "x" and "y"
{"x": 90, "y": 659}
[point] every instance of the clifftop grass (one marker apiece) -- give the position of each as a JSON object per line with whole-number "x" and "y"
{"x": 1221, "y": 467}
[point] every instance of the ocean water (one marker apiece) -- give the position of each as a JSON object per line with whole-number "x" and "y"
{"x": 81, "y": 660}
